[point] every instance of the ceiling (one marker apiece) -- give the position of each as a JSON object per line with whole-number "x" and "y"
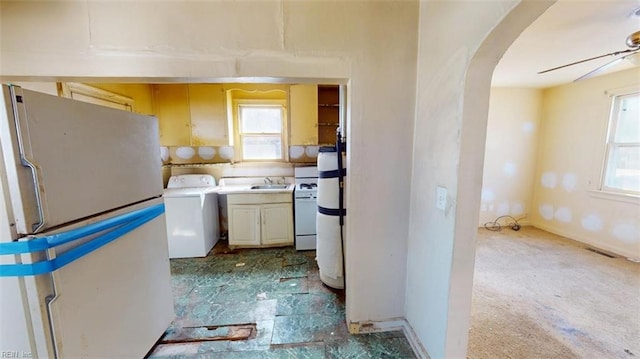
{"x": 568, "y": 31}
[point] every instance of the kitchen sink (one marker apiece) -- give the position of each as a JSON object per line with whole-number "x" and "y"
{"x": 270, "y": 186}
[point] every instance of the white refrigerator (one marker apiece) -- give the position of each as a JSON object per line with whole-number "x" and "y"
{"x": 84, "y": 268}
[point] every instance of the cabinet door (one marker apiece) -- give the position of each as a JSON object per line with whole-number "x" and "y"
{"x": 303, "y": 112}
{"x": 244, "y": 225}
{"x": 277, "y": 224}
{"x": 174, "y": 117}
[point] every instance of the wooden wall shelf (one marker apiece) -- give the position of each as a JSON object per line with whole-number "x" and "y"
{"x": 328, "y": 113}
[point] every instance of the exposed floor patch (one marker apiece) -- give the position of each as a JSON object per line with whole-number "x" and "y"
{"x": 210, "y": 333}
{"x": 289, "y": 312}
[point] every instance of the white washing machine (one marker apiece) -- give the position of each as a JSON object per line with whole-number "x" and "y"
{"x": 191, "y": 209}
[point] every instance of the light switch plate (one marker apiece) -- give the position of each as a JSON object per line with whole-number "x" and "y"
{"x": 441, "y": 198}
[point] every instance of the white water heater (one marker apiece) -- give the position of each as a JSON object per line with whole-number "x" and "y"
{"x": 329, "y": 231}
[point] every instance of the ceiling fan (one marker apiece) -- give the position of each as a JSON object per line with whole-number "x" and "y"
{"x": 633, "y": 42}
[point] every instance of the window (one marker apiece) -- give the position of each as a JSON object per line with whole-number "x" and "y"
{"x": 260, "y": 130}
{"x": 622, "y": 164}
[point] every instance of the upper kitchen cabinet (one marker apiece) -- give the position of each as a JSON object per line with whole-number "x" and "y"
{"x": 303, "y": 112}
{"x": 208, "y": 115}
{"x": 191, "y": 114}
{"x": 328, "y": 113}
{"x": 174, "y": 115}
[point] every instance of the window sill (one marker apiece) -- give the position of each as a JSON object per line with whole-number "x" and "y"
{"x": 615, "y": 196}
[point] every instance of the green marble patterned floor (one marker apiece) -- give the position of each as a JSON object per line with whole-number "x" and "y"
{"x": 278, "y": 293}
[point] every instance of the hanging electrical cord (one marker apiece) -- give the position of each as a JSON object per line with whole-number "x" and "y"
{"x": 496, "y": 226}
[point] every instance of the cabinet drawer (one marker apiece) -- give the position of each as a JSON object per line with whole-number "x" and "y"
{"x": 259, "y": 198}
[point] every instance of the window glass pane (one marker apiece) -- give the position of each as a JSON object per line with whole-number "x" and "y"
{"x": 261, "y": 119}
{"x": 623, "y": 168}
{"x": 262, "y": 147}
{"x": 628, "y": 124}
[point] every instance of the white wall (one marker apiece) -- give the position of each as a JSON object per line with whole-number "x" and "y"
{"x": 571, "y": 153}
{"x": 370, "y": 45}
{"x": 457, "y": 53}
{"x": 45, "y": 87}
{"x": 511, "y": 151}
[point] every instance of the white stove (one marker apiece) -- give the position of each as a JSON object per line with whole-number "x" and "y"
{"x": 307, "y": 187}
{"x": 306, "y": 207}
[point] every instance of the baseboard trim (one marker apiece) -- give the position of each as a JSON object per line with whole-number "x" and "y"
{"x": 585, "y": 240}
{"x": 391, "y": 325}
{"x": 418, "y": 349}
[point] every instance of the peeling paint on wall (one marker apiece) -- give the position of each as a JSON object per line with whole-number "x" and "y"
{"x": 303, "y": 154}
{"x": 546, "y": 211}
{"x": 206, "y": 153}
{"x": 528, "y": 127}
{"x": 226, "y": 152}
{"x": 502, "y": 209}
{"x": 627, "y": 232}
{"x": 510, "y": 169}
{"x": 572, "y": 145}
{"x": 164, "y": 153}
{"x": 488, "y": 195}
{"x": 296, "y": 152}
{"x": 311, "y": 151}
{"x": 592, "y": 222}
{"x": 192, "y": 155}
{"x": 549, "y": 180}
{"x": 563, "y": 214}
{"x": 517, "y": 209}
{"x": 179, "y": 155}
{"x": 511, "y": 151}
{"x": 185, "y": 153}
{"x": 569, "y": 181}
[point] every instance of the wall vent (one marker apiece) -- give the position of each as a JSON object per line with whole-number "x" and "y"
{"x": 600, "y": 252}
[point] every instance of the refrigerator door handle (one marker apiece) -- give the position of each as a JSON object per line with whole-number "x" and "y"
{"x": 36, "y": 184}
{"x": 19, "y": 112}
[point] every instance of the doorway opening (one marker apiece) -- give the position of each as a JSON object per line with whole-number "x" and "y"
{"x": 250, "y": 294}
{"x": 544, "y": 155}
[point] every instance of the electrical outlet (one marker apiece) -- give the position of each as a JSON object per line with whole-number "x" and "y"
{"x": 441, "y": 198}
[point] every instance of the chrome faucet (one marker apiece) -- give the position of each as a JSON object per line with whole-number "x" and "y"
{"x": 268, "y": 181}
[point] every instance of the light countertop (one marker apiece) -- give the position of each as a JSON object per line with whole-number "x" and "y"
{"x": 246, "y": 188}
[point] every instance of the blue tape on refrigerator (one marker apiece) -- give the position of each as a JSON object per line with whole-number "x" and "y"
{"x": 116, "y": 226}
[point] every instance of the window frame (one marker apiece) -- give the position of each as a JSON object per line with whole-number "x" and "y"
{"x": 90, "y": 94}
{"x": 238, "y": 134}
{"x": 611, "y": 144}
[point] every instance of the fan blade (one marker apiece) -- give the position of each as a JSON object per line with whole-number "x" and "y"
{"x": 603, "y": 67}
{"x": 590, "y": 59}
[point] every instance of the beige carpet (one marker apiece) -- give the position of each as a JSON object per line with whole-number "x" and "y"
{"x": 538, "y": 295}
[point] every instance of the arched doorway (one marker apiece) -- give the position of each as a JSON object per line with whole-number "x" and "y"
{"x": 454, "y": 78}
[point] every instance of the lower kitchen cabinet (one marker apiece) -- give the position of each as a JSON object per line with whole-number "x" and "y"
{"x": 259, "y": 225}
{"x": 277, "y": 224}
{"x": 244, "y": 225}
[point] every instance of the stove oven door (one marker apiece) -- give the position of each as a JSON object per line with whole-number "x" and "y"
{"x": 306, "y": 216}
{"x": 305, "y": 220}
